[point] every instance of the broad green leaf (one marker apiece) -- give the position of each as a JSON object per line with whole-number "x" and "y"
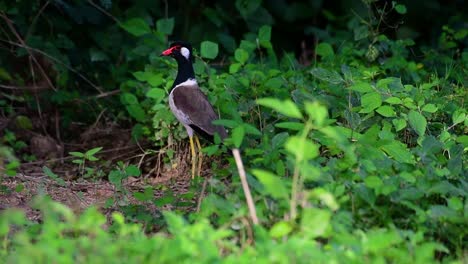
{"x": 136, "y": 27}
{"x": 399, "y": 124}
{"x": 209, "y": 49}
{"x": 370, "y": 101}
{"x": 237, "y": 136}
{"x": 128, "y": 99}
{"x": 303, "y": 149}
{"x": 264, "y": 34}
{"x": 241, "y": 55}
{"x": 401, "y": 9}
{"x": 361, "y": 32}
{"x": 417, "y": 122}
{"x": 132, "y": 170}
{"x": 251, "y": 130}
{"x": 272, "y": 183}
{"x": 393, "y": 100}
{"x": 458, "y": 116}
{"x": 315, "y": 222}
{"x": 399, "y": 152}
{"x": 317, "y": 112}
{"x": 332, "y": 77}
{"x": 165, "y": 25}
{"x": 280, "y": 229}
{"x": 430, "y": 108}
{"x": 234, "y": 68}
{"x": 373, "y": 182}
{"x": 386, "y": 111}
{"x": 455, "y": 203}
{"x": 137, "y": 112}
{"x": 156, "y": 93}
{"x": 362, "y": 87}
{"x": 324, "y": 50}
{"x": 285, "y": 107}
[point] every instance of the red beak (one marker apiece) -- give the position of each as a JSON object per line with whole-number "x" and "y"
{"x": 168, "y": 51}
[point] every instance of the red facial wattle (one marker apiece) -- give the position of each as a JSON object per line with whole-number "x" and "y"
{"x": 170, "y": 50}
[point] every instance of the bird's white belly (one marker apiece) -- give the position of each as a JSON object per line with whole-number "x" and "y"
{"x": 183, "y": 118}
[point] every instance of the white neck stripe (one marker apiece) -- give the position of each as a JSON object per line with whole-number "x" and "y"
{"x": 188, "y": 82}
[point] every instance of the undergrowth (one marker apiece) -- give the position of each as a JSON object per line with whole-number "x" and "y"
{"x": 358, "y": 157}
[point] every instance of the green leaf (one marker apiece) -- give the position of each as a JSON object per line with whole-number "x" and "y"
{"x": 399, "y": 124}
{"x": 361, "y": 32}
{"x": 136, "y": 27}
{"x": 417, "y": 122}
{"x": 241, "y": 55}
{"x": 303, "y": 149}
{"x": 458, "y": 116}
{"x": 370, "y": 101}
{"x": 24, "y": 122}
{"x": 386, "y": 111}
{"x": 332, "y": 77}
{"x": 128, "y": 99}
{"x": 315, "y": 222}
{"x": 401, "y": 9}
{"x": 430, "y": 108}
{"x": 77, "y": 154}
{"x": 373, "y": 182}
{"x": 264, "y": 34}
{"x": 393, "y": 100}
{"x": 165, "y": 25}
{"x": 237, "y": 136}
{"x": 209, "y": 49}
{"x": 324, "y": 50}
{"x": 93, "y": 151}
{"x": 362, "y": 87}
{"x": 4, "y": 75}
{"x": 132, "y": 170}
{"x": 285, "y": 107}
{"x": 399, "y": 152}
{"x": 273, "y": 184}
{"x": 317, "y": 112}
{"x": 53, "y": 176}
{"x": 136, "y": 112}
{"x": 156, "y": 93}
{"x": 280, "y": 229}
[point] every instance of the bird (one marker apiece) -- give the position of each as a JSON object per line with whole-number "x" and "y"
{"x": 189, "y": 104}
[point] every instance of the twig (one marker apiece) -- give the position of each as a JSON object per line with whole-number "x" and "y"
{"x": 103, "y": 11}
{"x": 57, "y": 61}
{"x": 245, "y": 185}
{"x": 18, "y": 37}
{"x": 34, "y": 87}
{"x": 202, "y": 194}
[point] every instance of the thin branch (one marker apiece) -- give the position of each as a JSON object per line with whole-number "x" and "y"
{"x": 57, "y": 61}
{"x": 21, "y": 41}
{"x": 245, "y": 186}
{"x": 103, "y": 11}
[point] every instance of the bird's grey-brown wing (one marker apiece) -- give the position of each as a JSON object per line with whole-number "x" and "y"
{"x": 193, "y": 102}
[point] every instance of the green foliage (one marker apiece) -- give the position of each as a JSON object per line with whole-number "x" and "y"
{"x": 359, "y": 157}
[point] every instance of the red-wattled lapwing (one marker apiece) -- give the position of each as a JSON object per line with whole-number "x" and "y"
{"x": 194, "y": 111}
{"x": 188, "y": 103}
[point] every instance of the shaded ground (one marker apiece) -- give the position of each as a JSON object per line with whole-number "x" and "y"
{"x": 79, "y": 192}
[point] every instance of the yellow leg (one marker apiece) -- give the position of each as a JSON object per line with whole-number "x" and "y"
{"x": 200, "y": 155}
{"x": 192, "y": 149}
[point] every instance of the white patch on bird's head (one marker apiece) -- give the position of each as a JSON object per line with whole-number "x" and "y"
{"x": 185, "y": 52}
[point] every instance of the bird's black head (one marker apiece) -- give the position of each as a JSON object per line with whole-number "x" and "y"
{"x": 179, "y": 50}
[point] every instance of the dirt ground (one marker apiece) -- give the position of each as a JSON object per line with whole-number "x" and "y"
{"x": 79, "y": 192}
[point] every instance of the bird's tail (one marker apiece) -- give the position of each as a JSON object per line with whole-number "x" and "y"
{"x": 245, "y": 185}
